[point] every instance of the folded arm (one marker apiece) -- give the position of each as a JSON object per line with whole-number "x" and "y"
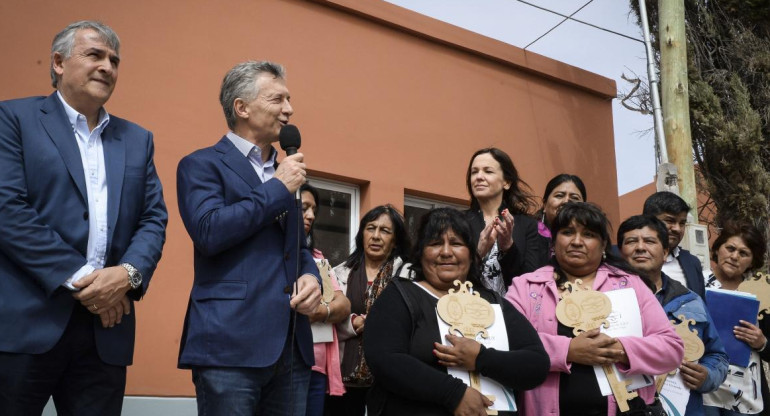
{"x": 386, "y": 346}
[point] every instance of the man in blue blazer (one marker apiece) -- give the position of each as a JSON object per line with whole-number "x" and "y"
{"x": 246, "y": 335}
{"x": 680, "y": 265}
{"x": 82, "y": 225}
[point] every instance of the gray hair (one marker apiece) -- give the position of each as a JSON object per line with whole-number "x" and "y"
{"x": 64, "y": 40}
{"x": 241, "y": 82}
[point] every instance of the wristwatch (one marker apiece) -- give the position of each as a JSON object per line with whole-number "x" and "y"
{"x": 134, "y": 277}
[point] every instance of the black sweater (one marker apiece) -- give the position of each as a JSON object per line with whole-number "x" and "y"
{"x": 409, "y": 380}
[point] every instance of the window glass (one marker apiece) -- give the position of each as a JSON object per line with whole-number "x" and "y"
{"x": 415, "y": 208}
{"x": 336, "y": 220}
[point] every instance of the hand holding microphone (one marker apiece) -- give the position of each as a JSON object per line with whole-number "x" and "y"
{"x": 291, "y": 170}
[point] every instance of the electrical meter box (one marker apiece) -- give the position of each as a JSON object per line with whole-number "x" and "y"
{"x": 696, "y": 241}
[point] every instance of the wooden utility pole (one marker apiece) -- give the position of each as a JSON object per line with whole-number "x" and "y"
{"x": 675, "y": 96}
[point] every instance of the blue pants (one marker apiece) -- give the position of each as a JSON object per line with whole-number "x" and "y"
{"x": 280, "y": 389}
{"x": 71, "y": 372}
{"x": 316, "y": 394}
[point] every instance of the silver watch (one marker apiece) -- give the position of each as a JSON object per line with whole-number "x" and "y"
{"x": 134, "y": 277}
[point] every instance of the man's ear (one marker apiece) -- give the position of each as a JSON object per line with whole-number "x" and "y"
{"x": 57, "y": 63}
{"x": 239, "y": 108}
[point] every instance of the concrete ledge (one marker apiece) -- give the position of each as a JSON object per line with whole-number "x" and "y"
{"x": 148, "y": 406}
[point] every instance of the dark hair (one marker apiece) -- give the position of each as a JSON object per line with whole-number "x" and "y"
{"x": 306, "y": 187}
{"x": 401, "y": 244}
{"x": 564, "y": 178}
{"x": 433, "y": 225}
{"x": 640, "y": 221}
{"x": 665, "y": 202}
{"x": 518, "y": 198}
{"x": 558, "y": 180}
{"x": 592, "y": 218}
{"x": 750, "y": 235}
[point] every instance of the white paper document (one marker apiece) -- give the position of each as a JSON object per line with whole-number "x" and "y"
{"x": 625, "y": 320}
{"x": 674, "y": 395}
{"x": 497, "y": 339}
{"x": 321, "y": 332}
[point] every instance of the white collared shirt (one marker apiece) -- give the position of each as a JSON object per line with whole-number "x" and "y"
{"x": 253, "y": 153}
{"x": 673, "y": 269}
{"x": 92, "y": 157}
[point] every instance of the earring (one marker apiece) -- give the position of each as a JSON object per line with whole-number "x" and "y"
{"x": 604, "y": 255}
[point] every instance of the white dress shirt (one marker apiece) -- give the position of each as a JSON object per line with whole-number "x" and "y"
{"x": 92, "y": 157}
{"x": 673, "y": 269}
{"x": 253, "y": 153}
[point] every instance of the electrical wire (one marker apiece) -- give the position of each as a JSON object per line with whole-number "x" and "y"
{"x": 569, "y": 17}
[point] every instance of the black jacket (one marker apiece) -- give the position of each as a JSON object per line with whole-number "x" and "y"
{"x": 529, "y": 251}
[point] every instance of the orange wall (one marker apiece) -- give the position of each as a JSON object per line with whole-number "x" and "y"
{"x": 632, "y": 203}
{"x": 393, "y": 105}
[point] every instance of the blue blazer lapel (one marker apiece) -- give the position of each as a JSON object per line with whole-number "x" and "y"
{"x": 238, "y": 163}
{"x": 59, "y": 130}
{"x": 115, "y": 165}
{"x": 234, "y": 159}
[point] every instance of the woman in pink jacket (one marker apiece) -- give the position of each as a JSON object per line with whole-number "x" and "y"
{"x": 582, "y": 251}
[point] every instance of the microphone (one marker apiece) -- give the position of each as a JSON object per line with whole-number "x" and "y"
{"x": 290, "y": 140}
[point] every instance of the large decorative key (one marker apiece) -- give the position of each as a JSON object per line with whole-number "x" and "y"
{"x": 693, "y": 346}
{"x": 325, "y": 269}
{"x": 469, "y": 314}
{"x": 584, "y": 309}
{"x": 758, "y": 285}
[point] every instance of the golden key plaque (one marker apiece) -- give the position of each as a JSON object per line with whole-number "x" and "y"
{"x": 693, "y": 346}
{"x": 584, "y": 309}
{"x": 469, "y": 314}
{"x": 325, "y": 269}
{"x": 758, "y": 285}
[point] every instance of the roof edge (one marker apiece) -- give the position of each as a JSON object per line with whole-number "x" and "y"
{"x": 446, "y": 34}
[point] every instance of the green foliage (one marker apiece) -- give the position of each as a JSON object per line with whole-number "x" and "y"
{"x": 728, "y": 52}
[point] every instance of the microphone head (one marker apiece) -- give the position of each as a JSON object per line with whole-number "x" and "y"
{"x": 290, "y": 139}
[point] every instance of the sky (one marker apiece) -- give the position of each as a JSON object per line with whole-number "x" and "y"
{"x": 606, "y": 54}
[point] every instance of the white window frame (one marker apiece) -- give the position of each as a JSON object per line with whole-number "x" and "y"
{"x": 355, "y": 202}
{"x": 426, "y": 203}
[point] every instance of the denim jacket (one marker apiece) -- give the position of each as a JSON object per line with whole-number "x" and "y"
{"x": 678, "y": 300}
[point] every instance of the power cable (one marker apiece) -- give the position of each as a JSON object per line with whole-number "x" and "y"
{"x": 566, "y": 17}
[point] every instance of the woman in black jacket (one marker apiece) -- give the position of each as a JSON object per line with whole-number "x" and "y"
{"x": 508, "y": 240}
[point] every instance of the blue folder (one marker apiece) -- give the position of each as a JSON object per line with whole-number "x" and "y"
{"x": 727, "y": 307}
